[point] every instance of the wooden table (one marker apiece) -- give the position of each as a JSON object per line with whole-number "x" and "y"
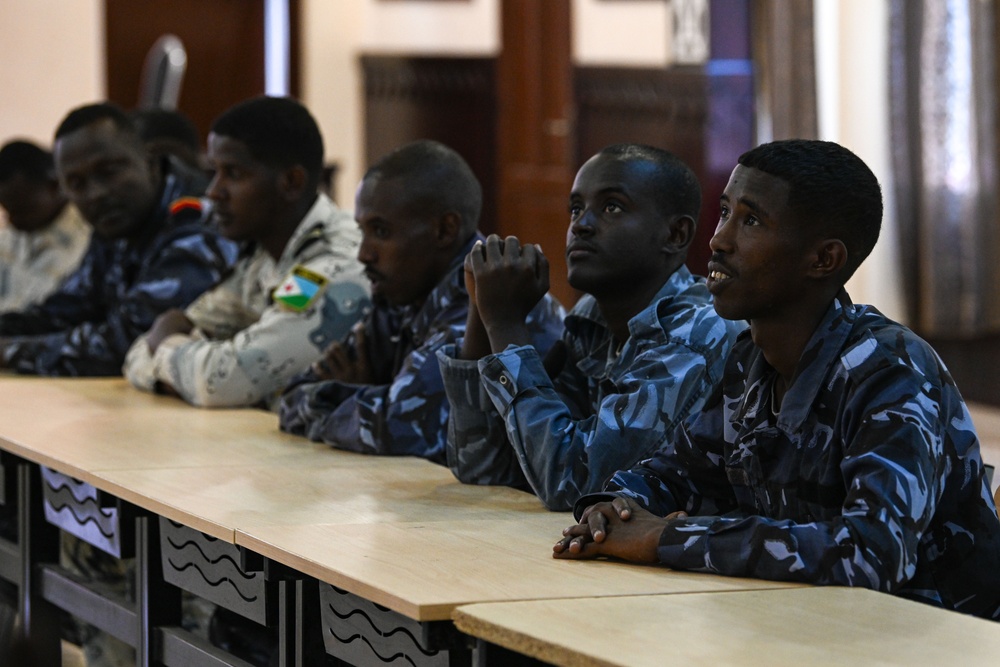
{"x": 396, "y": 532}
{"x": 794, "y": 627}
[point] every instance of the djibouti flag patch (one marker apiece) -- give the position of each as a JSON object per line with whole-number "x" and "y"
{"x": 300, "y": 289}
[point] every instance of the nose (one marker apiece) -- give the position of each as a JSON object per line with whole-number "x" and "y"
{"x": 583, "y": 225}
{"x": 214, "y": 189}
{"x": 721, "y": 240}
{"x": 366, "y": 251}
{"x": 91, "y": 192}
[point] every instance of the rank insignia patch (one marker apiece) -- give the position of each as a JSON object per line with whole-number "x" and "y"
{"x": 300, "y": 289}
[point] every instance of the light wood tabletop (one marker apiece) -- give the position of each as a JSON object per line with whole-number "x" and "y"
{"x": 338, "y": 488}
{"x": 83, "y": 426}
{"x": 802, "y": 626}
{"x": 425, "y": 569}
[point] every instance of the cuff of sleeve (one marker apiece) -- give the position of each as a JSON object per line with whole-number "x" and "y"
{"x": 138, "y": 368}
{"x": 451, "y": 365}
{"x": 163, "y": 358}
{"x": 684, "y": 543}
{"x": 501, "y": 383}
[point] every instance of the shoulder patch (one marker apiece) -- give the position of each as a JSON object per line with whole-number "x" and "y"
{"x": 185, "y": 204}
{"x": 300, "y": 289}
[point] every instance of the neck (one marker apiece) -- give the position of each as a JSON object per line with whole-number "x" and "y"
{"x": 618, "y": 309}
{"x": 782, "y": 339}
{"x": 274, "y": 244}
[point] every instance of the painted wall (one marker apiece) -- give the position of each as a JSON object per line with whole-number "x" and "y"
{"x": 633, "y": 33}
{"x": 53, "y": 61}
{"x": 852, "y": 72}
{"x": 55, "y": 56}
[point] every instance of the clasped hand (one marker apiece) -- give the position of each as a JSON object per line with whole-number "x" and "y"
{"x": 347, "y": 364}
{"x": 620, "y": 529}
{"x": 505, "y": 280}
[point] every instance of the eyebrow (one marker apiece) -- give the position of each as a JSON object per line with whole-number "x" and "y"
{"x": 751, "y": 204}
{"x": 603, "y": 192}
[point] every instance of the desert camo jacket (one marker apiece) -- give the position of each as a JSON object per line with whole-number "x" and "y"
{"x": 405, "y": 412}
{"x": 87, "y": 325}
{"x": 609, "y": 406}
{"x": 869, "y": 476}
{"x": 246, "y": 345}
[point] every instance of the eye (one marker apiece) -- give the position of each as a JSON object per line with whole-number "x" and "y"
{"x": 380, "y": 231}
{"x": 723, "y": 212}
{"x": 752, "y": 221}
{"x": 575, "y": 210}
{"x": 613, "y": 207}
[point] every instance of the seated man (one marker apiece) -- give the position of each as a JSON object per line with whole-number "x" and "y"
{"x": 297, "y": 287}
{"x": 169, "y": 132}
{"x": 46, "y": 235}
{"x": 641, "y": 349}
{"x": 380, "y": 391}
{"x": 838, "y": 449}
{"x": 151, "y": 251}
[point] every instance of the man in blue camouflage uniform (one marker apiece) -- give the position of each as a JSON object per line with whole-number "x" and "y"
{"x": 150, "y": 251}
{"x": 642, "y": 349}
{"x": 380, "y": 391}
{"x": 838, "y": 449}
{"x": 297, "y": 287}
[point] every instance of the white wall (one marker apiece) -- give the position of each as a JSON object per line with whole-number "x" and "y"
{"x": 53, "y": 60}
{"x": 468, "y": 28}
{"x": 628, "y": 32}
{"x": 852, "y": 39}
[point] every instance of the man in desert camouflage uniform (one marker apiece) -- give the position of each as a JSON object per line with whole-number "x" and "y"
{"x": 297, "y": 287}
{"x": 46, "y": 236}
{"x": 838, "y": 449}
{"x": 380, "y": 391}
{"x": 641, "y": 350}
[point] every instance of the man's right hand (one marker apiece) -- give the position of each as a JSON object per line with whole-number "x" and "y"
{"x": 508, "y": 281}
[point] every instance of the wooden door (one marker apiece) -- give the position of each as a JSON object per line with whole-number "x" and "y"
{"x": 535, "y": 93}
{"x": 224, "y": 40}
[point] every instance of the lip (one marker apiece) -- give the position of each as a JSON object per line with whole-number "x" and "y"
{"x": 577, "y": 249}
{"x": 374, "y": 277}
{"x": 718, "y": 274}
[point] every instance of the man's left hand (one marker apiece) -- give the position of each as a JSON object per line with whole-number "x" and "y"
{"x": 171, "y": 322}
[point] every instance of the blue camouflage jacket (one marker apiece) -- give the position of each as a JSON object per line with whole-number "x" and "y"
{"x": 405, "y": 411}
{"x": 870, "y": 474}
{"x": 121, "y": 286}
{"x": 608, "y": 407}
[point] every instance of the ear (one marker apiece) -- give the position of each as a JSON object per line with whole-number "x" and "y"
{"x": 680, "y": 233}
{"x": 293, "y": 182}
{"x": 447, "y": 229}
{"x": 830, "y": 256}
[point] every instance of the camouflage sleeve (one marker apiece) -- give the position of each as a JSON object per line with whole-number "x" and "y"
{"x": 893, "y": 466}
{"x": 477, "y": 450}
{"x": 77, "y": 300}
{"x": 686, "y": 473}
{"x": 565, "y": 458}
{"x": 175, "y": 275}
{"x": 406, "y": 417}
{"x": 254, "y": 365}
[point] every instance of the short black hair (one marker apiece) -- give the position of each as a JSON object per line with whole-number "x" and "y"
{"x": 831, "y": 189}
{"x": 88, "y": 114}
{"x": 20, "y": 157}
{"x": 439, "y": 180}
{"x": 677, "y": 188}
{"x": 157, "y": 123}
{"x": 278, "y": 131}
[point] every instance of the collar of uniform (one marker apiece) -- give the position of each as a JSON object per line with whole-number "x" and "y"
{"x": 586, "y": 322}
{"x": 323, "y": 209}
{"x": 819, "y": 355}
